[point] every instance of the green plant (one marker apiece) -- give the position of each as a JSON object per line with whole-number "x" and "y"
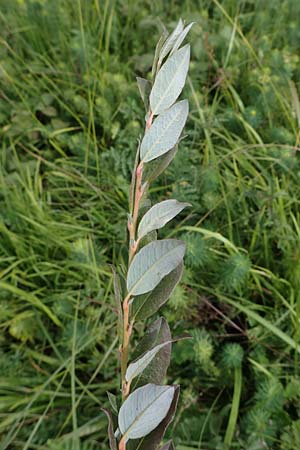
{"x": 154, "y": 266}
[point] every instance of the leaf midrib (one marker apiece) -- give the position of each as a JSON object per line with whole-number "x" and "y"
{"x": 161, "y": 135}
{"x": 145, "y": 409}
{"x": 173, "y": 79}
{"x": 151, "y": 268}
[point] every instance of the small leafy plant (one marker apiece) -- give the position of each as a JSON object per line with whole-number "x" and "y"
{"x": 140, "y": 418}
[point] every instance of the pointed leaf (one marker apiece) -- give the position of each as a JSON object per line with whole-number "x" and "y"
{"x": 145, "y": 89}
{"x": 118, "y": 300}
{"x": 157, "y": 333}
{"x": 144, "y": 306}
{"x": 165, "y": 132}
{"x": 113, "y": 401}
{"x": 138, "y": 366}
{"x": 152, "y": 441}
{"x": 159, "y": 215}
{"x": 168, "y": 446}
{"x": 158, "y": 48}
{"x": 152, "y": 263}
{"x": 144, "y": 410}
{"x": 181, "y": 38}
{"x": 170, "y": 80}
{"x": 170, "y": 41}
{"x": 159, "y": 165}
{"x": 133, "y": 180}
{"x": 111, "y": 436}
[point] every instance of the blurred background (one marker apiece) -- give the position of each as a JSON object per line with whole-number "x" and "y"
{"x": 70, "y": 117}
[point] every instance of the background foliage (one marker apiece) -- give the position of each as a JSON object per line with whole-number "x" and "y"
{"x": 70, "y": 116}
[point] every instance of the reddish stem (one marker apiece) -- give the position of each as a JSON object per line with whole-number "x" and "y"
{"x": 122, "y": 444}
{"x": 149, "y": 120}
{"x": 137, "y": 199}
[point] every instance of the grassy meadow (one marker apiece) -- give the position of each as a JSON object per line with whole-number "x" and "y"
{"x": 70, "y": 118}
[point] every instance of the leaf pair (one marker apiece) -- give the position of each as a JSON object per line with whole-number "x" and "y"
{"x": 169, "y": 44}
{"x": 168, "y": 84}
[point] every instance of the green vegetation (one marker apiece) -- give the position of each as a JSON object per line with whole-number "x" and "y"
{"x": 70, "y": 117}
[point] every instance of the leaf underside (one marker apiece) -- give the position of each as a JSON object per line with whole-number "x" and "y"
{"x": 160, "y": 214}
{"x": 170, "y": 41}
{"x": 144, "y": 410}
{"x": 164, "y": 132}
{"x": 144, "y": 306}
{"x": 170, "y": 80}
{"x": 152, "y": 441}
{"x": 157, "y": 333}
{"x": 152, "y": 263}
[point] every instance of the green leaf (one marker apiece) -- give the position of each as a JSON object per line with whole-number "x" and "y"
{"x": 155, "y": 167}
{"x": 181, "y": 38}
{"x": 113, "y": 401}
{"x": 152, "y": 441}
{"x": 171, "y": 41}
{"x": 170, "y": 80}
{"x": 168, "y": 446}
{"x": 144, "y": 410}
{"x": 152, "y": 263}
{"x": 30, "y": 298}
{"x": 111, "y": 436}
{"x": 165, "y": 132}
{"x": 139, "y": 365}
{"x": 144, "y": 306}
{"x": 159, "y": 215}
{"x": 118, "y": 300}
{"x": 157, "y": 333}
{"x": 145, "y": 89}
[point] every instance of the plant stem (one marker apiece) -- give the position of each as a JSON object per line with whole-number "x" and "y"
{"x": 122, "y": 444}
{"x": 234, "y": 407}
{"x": 138, "y": 190}
{"x": 136, "y": 206}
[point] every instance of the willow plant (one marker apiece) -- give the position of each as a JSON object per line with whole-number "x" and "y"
{"x": 140, "y": 417}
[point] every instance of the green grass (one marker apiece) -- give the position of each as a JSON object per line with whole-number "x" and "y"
{"x": 70, "y": 117}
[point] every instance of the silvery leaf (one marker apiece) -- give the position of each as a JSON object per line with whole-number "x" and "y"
{"x": 135, "y": 368}
{"x": 157, "y": 333}
{"x": 144, "y": 410}
{"x": 181, "y": 37}
{"x": 152, "y": 263}
{"x": 159, "y": 215}
{"x": 170, "y": 41}
{"x": 164, "y": 132}
{"x": 170, "y": 80}
{"x": 144, "y": 306}
{"x": 140, "y": 364}
{"x": 152, "y": 440}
